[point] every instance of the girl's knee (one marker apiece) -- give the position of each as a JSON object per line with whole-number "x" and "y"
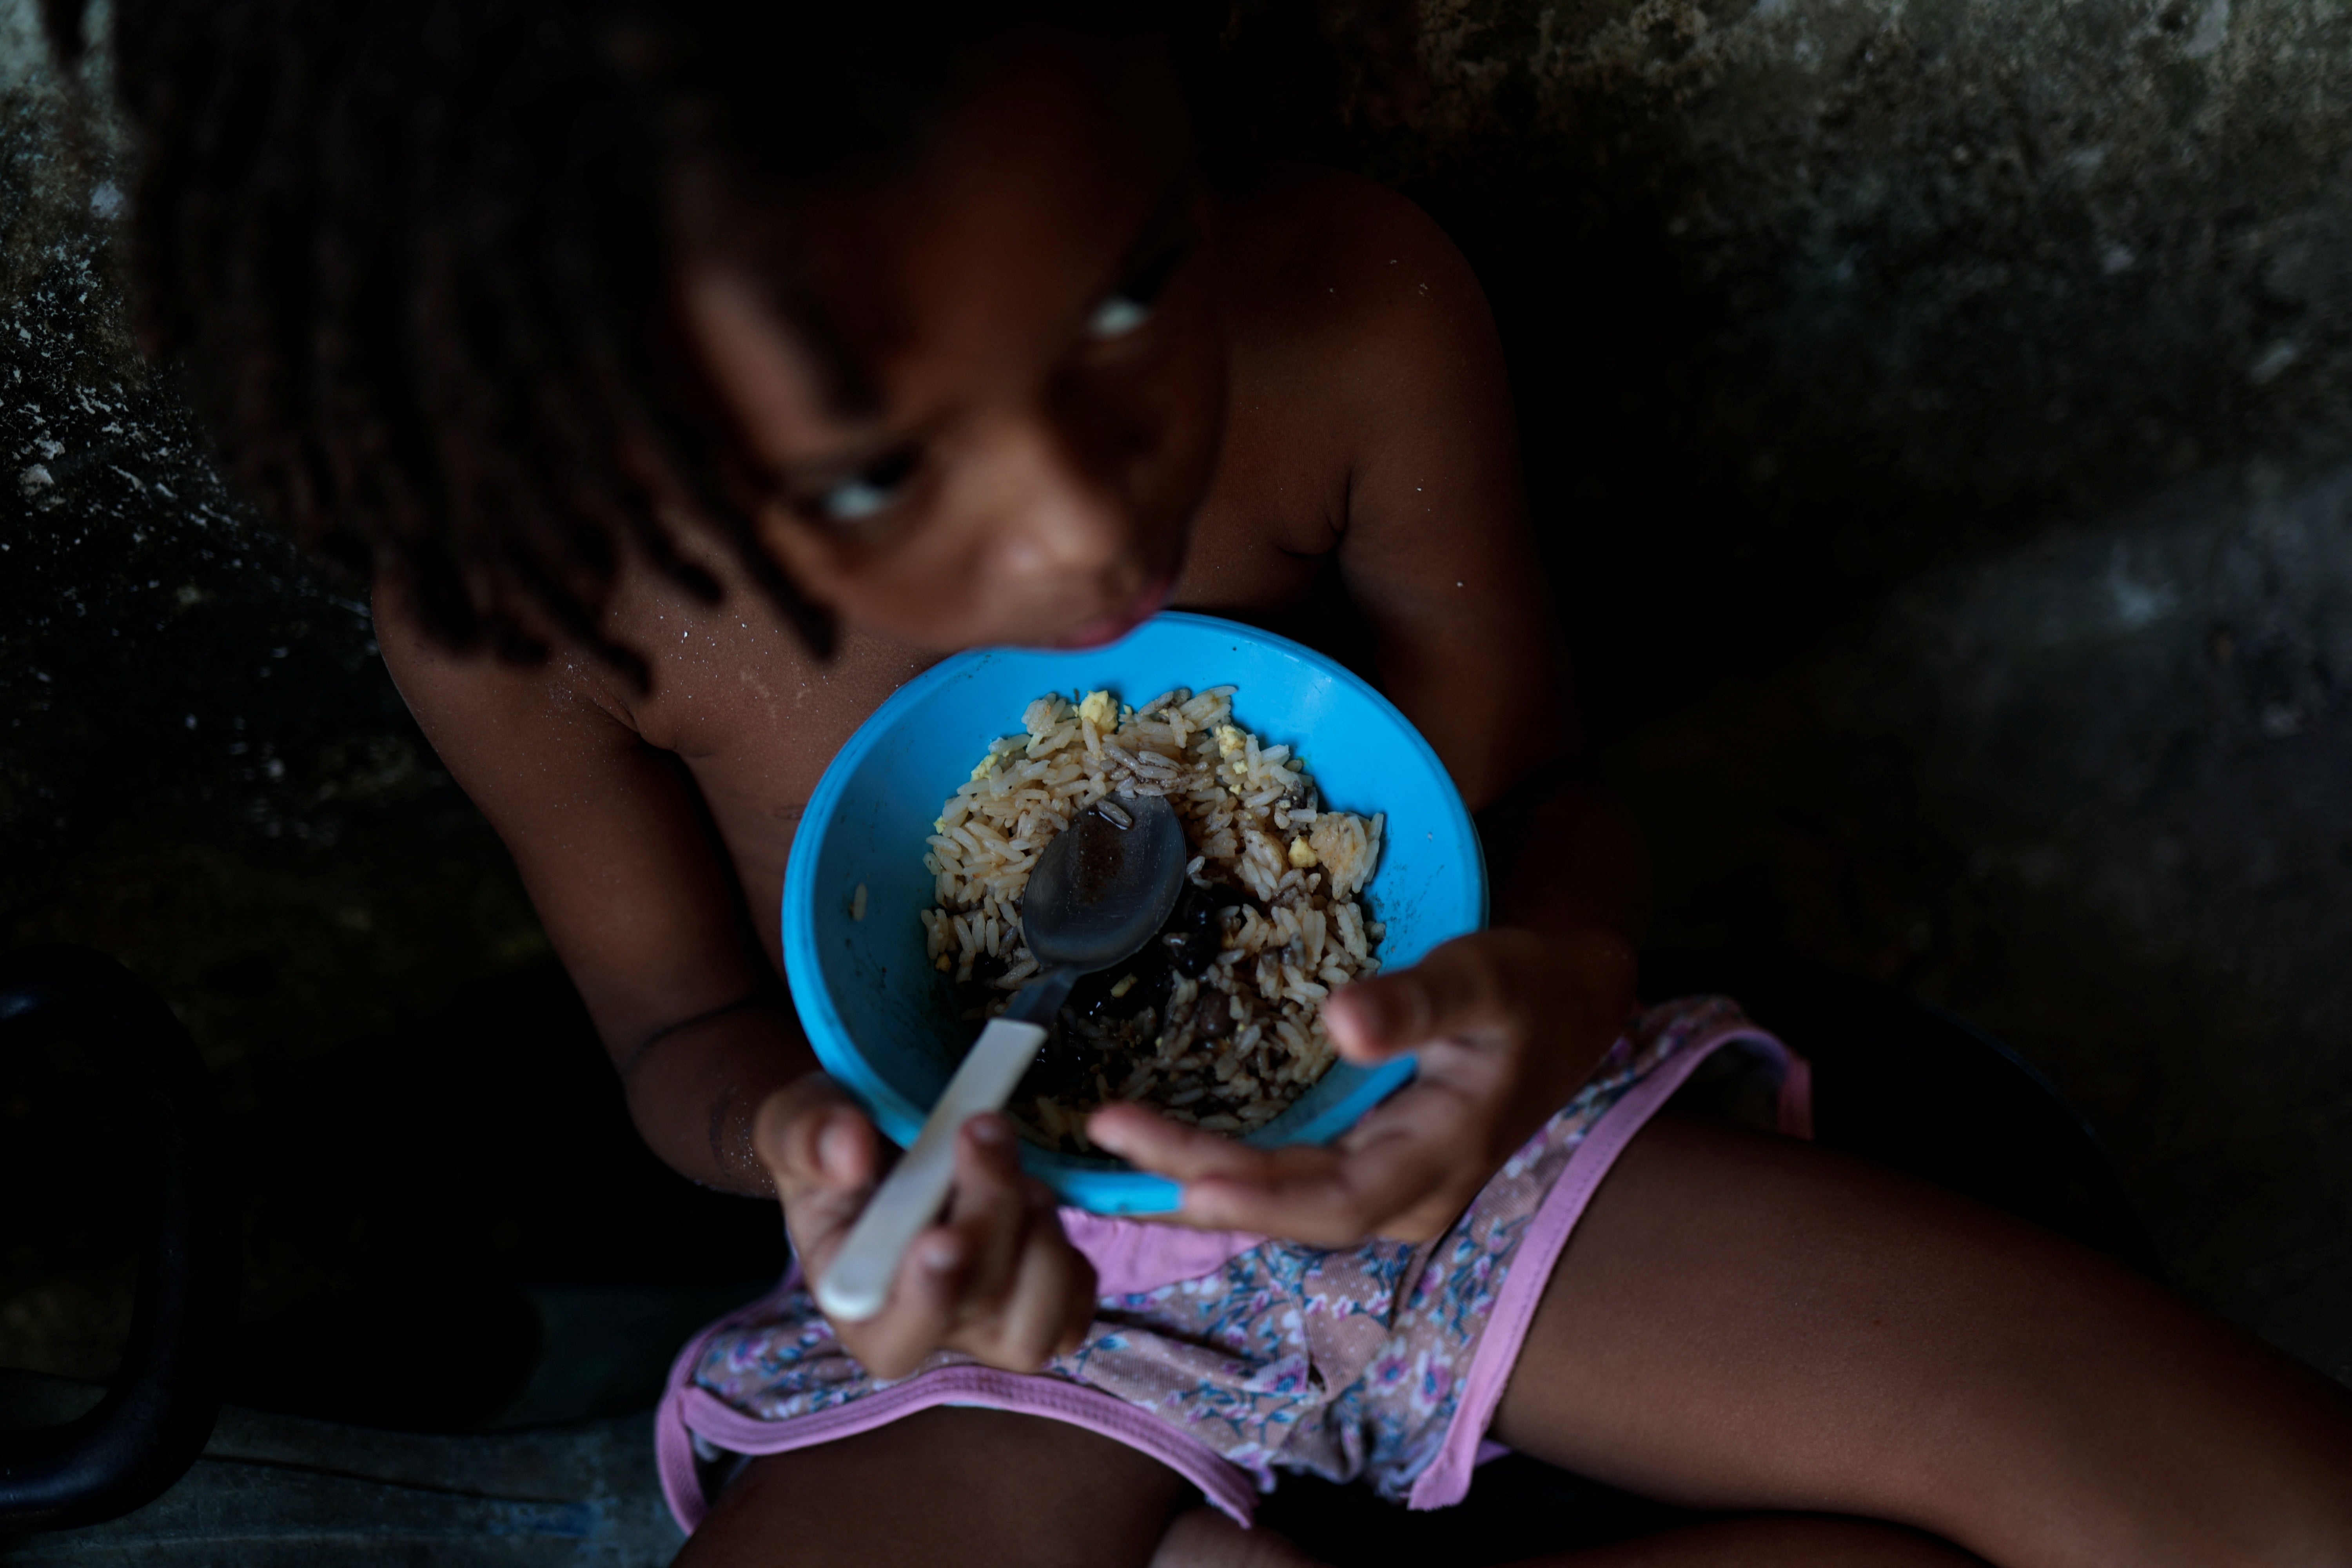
{"x": 975, "y": 1487}
{"x": 1203, "y": 1537}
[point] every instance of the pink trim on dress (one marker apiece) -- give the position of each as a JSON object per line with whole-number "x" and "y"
{"x": 673, "y": 1444}
{"x": 1446, "y": 1481}
{"x": 688, "y": 1410}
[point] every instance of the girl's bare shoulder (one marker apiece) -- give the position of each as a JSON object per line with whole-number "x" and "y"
{"x": 1315, "y": 260}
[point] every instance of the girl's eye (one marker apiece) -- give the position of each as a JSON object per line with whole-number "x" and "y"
{"x": 871, "y": 490}
{"x": 1115, "y": 317}
{"x": 1130, "y": 305}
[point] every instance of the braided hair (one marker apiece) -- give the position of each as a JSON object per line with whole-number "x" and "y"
{"x": 417, "y": 260}
{"x": 417, "y": 257}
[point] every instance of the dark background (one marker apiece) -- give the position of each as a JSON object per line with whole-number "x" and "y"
{"x": 1938, "y": 417}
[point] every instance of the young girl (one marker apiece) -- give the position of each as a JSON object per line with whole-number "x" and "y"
{"x": 719, "y": 371}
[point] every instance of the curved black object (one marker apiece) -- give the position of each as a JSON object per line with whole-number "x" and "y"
{"x": 160, "y": 1409}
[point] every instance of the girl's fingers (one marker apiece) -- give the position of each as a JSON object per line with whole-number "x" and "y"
{"x": 1395, "y": 1161}
{"x": 926, "y": 1296}
{"x": 1052, "y": 1296}
{"x": 1150, "y": 1141}
{"x": 1339, "y": 1203}
{"x": 988, "y": 1208}
{"x": 790, "y": 1134}
{"x": 848, "y": 1150}
{"x": 1287, "y": 1192}
{"x": 998, "y": 1279}
{"x": 1465, "y": 987}
{"x": 1189, "y": 1156}
{"x": 1500, "y": 1040}
{"x": 823, "y": 1159}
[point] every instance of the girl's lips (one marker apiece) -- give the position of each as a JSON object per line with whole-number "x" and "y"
{"x": 1109, "y": 629}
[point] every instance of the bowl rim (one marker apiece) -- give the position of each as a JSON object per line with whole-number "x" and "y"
{"x": 895, "y": 1116}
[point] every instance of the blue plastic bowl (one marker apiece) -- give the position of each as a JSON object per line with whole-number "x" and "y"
{"x": 886, "y": 1029}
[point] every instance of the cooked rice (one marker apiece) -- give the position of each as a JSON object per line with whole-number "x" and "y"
{"x": 1225, "y": 1035}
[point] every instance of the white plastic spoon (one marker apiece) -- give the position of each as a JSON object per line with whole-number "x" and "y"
{"x": 1100, "y": 890}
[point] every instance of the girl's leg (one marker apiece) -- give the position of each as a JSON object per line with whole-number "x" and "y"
{"x": 1742, "y": 1322}
{"x": 1773, "y": 1541}
{"x": 1206, "y": 1539}
{"x": 977, "y": 1488}
{"x": 1203, "y": 1537}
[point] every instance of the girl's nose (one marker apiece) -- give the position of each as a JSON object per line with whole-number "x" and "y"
{"x": 1057, "y": 519}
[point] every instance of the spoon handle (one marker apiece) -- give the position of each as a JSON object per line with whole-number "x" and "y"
{"x": 857, "y": 1283}
{"x": 1037, "y": 1002}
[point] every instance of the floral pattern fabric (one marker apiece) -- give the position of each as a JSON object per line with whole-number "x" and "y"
{"x": 1345, "y": 1363}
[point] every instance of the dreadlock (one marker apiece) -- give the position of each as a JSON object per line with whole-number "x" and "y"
{"x": 414, "y": 257}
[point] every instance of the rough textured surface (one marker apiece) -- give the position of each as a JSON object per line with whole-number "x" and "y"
{"x": 2134, "y": 731}
{"x": 203, "y": 766}
{"x": 2088, "y": 793}
{"x": 1932, "y": 409}
{"x": 1976, "y": 370}
{"x": 273, "y": 1490}
{"x": 1812, "y": 293}
{"x": 203, "y": 770}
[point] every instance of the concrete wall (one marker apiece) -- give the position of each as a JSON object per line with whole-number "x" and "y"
{"x": 1935, "y": 411}
{"x": 1812, "y": 293}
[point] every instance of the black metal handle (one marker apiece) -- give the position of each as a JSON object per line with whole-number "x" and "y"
{"x": 160, "y": 1409}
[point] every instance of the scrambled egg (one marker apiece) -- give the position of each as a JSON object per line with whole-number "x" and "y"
{"x": 1101, "y": 709}
{"x": 1302, "y": 854}
{"x": 1233, "y": 746}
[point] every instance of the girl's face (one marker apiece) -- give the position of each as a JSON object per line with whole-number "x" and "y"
{"x": 1022, "y": 404}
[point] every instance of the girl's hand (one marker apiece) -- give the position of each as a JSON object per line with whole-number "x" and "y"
{"x": 1507, "y": 1023}
{"x": 997, "y": 1280}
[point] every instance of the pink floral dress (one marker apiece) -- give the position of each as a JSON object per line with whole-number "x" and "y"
{"x": 1233, "y": 1357}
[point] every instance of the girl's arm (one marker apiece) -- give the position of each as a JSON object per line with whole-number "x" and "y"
{"x": 641, "y": 905}
{"x": 631, "y": 888}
